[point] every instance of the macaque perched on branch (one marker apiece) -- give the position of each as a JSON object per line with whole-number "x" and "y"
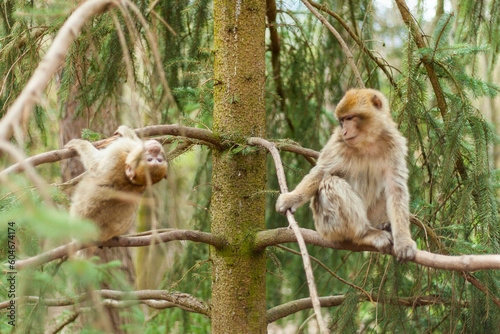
{"x": 359, "y": 185}
{"x": 116, "y": 177}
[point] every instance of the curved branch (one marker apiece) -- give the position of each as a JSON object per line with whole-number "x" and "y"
{"x": 123, "y": 241}
{"x": 280, "y": 173}
{"x": 447, "y": 262}
{"x": 295, "y": 306}
{"x": 114, "y": 298}
{"x": 19, "y": 112}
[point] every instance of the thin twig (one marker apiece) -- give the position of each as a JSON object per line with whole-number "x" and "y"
{"x": 295, "y": 227}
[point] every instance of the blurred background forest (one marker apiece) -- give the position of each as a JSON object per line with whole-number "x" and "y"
{"x": 454, "y": 152}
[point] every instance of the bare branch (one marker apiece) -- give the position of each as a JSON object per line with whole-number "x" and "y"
{"x": 119, "y": 299}
{"x": 148, "y": 131}
{"x": 295, "y": 306}
{"x": 204, "y": 135}
{"x": 447, "y": 262}
{"x": 296, "y": 230}
{"x": 123, "y": 241}
{"x": 20, "y": 110}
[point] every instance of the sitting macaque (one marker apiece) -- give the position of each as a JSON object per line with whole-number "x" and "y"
{"x": 116, "y": 177}
{"x": 359, "y": 185}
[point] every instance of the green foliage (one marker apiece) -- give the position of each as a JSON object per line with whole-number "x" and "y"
{"x": 453, "y": 177}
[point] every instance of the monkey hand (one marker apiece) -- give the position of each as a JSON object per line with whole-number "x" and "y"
{"x": 288, "y": 201}
{"x": 125, "y": 131}
{"x": 405, "y": 249}
{"x": 74, "y": 144}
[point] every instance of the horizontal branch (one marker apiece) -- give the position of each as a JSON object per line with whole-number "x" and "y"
{"x": 204, "y": 135}
{"x": 447, "y": 262}
{"x": 114, "y": 298}
{"x": 123, "y": 241}
{"x": 295, "y": 306}
{"x": 148, "y": 131}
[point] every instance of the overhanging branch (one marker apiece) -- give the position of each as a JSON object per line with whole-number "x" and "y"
{"x": 123, "y": 241}
{"x": 204, "y": 135}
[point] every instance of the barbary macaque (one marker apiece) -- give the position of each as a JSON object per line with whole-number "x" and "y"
{"x": 359, "y": 184}
{"x": 116, "y": 177}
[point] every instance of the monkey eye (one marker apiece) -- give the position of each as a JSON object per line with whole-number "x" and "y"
{"x": 160, "y": 160}
{"x": 150, "y": 159}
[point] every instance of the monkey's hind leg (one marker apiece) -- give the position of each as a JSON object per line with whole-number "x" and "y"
{"x": 340, "y": 215}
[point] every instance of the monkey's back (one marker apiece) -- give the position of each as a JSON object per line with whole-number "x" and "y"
{"x": 106, "y": 196}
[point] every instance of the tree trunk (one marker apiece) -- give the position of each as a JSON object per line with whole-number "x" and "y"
{"x": 238, "y": 277}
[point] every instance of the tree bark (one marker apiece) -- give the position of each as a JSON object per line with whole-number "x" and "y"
{"x": 238, "y": 273}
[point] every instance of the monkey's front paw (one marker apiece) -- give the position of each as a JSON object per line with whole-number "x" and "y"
{"x": 74, "y": 144}
{"x": 286, "y": 202}
{"x": 405, "y": 250}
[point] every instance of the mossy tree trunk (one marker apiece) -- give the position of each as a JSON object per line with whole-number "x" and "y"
{"x": 238, "y": 278}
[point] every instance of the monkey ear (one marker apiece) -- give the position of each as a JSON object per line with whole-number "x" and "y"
{"x": 377, "y": 103}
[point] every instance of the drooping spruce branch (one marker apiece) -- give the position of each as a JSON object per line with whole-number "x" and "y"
{"x": 20, "y": 110}
{"x": 356, "y": 39}
{"x": 345, "y": 48}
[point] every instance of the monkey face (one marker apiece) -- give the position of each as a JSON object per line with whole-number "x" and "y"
{"x": 352, "y": 133}
{"x": 150, "y": 167}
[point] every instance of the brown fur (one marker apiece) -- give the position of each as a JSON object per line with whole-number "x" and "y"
{"x": 117, "y": 176}
{"x": 360, "y": 180}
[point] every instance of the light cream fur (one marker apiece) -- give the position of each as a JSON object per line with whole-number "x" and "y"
{"x": 361, "y": 183}
{"x": 107, "y": 194}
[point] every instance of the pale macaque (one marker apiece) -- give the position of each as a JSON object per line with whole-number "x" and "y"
{"x": 359, "y": 185}
{"x": 116, "y": 177}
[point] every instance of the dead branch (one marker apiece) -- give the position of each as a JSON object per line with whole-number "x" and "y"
{"x": 123, "y": 241}
{"x": 296, "y": 230}
{"x": 119, "y": 299}
{"x": 20, "y": 110}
